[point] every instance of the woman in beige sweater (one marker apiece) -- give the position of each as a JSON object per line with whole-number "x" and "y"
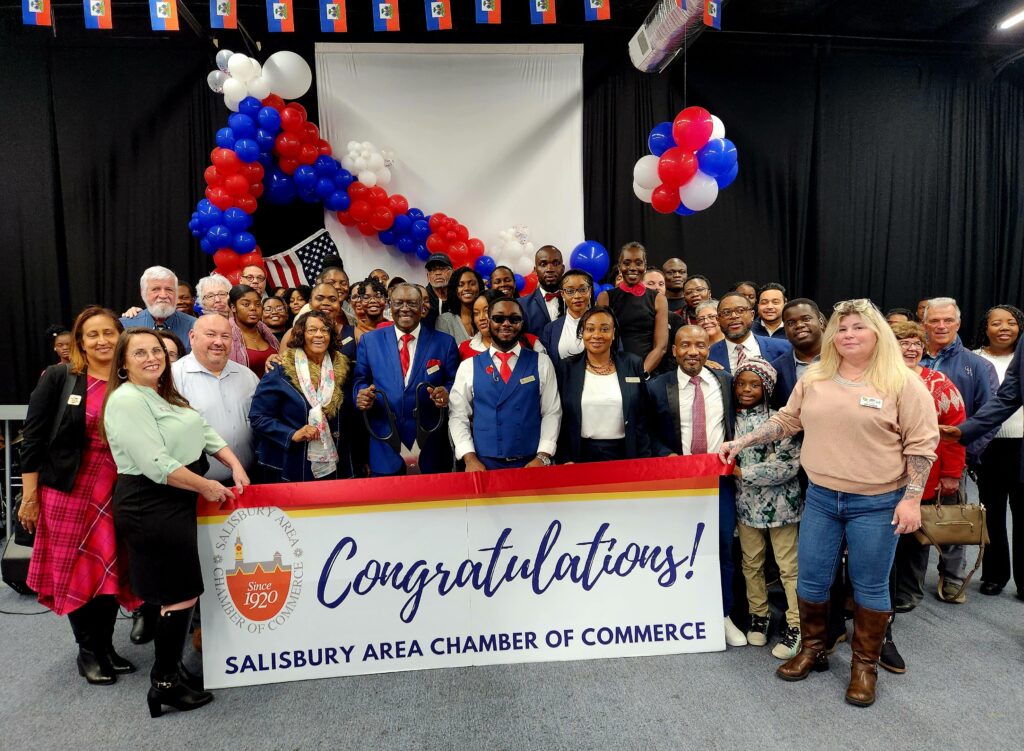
{"x": 870, "y": 434}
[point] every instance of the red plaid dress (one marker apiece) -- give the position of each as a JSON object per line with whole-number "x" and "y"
{"x": 75, "y": 557}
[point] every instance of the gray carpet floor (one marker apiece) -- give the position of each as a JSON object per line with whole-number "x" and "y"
{"x": 964, "y": 690}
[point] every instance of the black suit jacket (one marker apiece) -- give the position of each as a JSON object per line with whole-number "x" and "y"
{"x": 57, "y": 461}
{"x": 630, "y": 370}
{"x": 666, "y": 435}
{"x": 1007, "y": 400}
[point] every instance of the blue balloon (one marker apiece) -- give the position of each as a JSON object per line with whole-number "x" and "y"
{"x": 591, "y": 257}
{"x": 250, "y": 107}
{"x": 660, "y": 140}
{"x": 219, "y": 236}
{"x": 305, "y": 178}
{"x": 267, "y": 160}
{"x": 485, "y": 266}
{"x": 237, "y": 220}
{"x": 197, "y": 232}
{"x": 337, "y": 201}
{"x": 326, "y": 166}
{"x": 269, "y": 119}
{"x": 683, "y": 211}
{"x": 402, "y": 225}
{"x": 226, "y": 138}
{"x": 727, "y": 179}
{"x": 420, "y": 230}
{"x": 717, "y": 157}
{"x": 309, "y": 195}
{"x": 280, "y": 189}
{"x": 520, "y": 282}
{"x": 248, "y": 149}
{"x": 605, "y": 287}
{"x": 387, "y": 237}
{"x": 406, "y": 245}
{"x": 265, "y": 138}
{"x": 244, "y": 243}
{"x": 343, "y": 178}
{"x": 243, "y": 125}
{"x": 209, "y": 215}
{"x": 422, "y": 252}
{"x": 324, "y": 187}
{"x": 415, "y": 214}
{"x": 206, "y": 247}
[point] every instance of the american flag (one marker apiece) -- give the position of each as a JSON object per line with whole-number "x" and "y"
{"x": 303, "y": 263}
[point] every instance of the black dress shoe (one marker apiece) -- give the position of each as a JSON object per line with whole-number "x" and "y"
{"x": 95, "y": 668}
{"x": 144, "y": 620}
{"x": 118, "y": 663}
{"x": 991, "y": 588}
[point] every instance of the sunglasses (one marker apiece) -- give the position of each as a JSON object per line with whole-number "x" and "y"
{"x": 500, "y": 319}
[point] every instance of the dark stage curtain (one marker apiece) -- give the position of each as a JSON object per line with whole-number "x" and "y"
{"x": 864, "y": 171}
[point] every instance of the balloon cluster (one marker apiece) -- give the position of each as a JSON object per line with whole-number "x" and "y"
{"x": 449, "y": 236}
{"x": 513, "y": 249}
{"x": 690, "y": 161}
{"x": 239, "y": 76}
{"x": 370, "y": 165}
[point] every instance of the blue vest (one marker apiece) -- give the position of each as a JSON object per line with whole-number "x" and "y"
{"x": 506, "y": 416}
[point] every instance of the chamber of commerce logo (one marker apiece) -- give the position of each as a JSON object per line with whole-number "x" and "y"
{"x": 258, "y": 589}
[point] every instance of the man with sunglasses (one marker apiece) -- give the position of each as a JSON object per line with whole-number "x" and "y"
{"x": 505, "y": 410}
{"x": 561, "y": 337}
{"x": 401, "y": 371}
{"x": 735, "y": 317}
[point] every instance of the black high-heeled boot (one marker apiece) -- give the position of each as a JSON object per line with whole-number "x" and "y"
{"x": 168, "y": 686}
{"x": 106, "y": 617}
{"x": 144, "y": 621}
{"x": 92, "y": 661}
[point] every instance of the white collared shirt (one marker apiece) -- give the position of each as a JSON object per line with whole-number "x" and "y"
{"x": 714, "y": 409}
{"x": 412, "y": 348}
{"x": 601, "y": 407}
{"x": 750, "y": 345}
{"x": 551, "y": 304}
{"x": 460, "y": 403}
{"x": 569, "y": 343}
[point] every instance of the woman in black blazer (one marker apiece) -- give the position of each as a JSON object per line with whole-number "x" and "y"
{"x": 604, "y": 396}
{"x": 68, "y": 475}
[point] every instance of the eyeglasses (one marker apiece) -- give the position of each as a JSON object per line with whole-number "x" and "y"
{"x": 688, "y": 290}
{"x": 253, "y": 278}
{"x": 730, "y": 312}
{"x": 908, "y": 344}
{"x": 141, "y": 355}
{"x": 513, "y": 319}
{"x": 367, "y": 298}
{"x": 859, "y": 305}
{"x": 410, "y": 304}
{"x": 313, "y": 332}
{"x": 215, "y": 296}
{"x": 574, "y": 291}
{"x": 707, "y": 319}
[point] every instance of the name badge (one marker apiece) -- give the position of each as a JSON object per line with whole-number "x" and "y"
{"x": 433, "y": 369}
{"x": 346, "y": 340}
{"x": 632, "y": 379}
{"x": 871, "y": 401}
{"x": 528, "y": 379}
{"x": 74, "y": 400}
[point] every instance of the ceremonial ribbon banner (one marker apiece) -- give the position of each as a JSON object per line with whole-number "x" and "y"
{"x": 334, "y": 578}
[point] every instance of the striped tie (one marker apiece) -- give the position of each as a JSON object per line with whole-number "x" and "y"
{"x": 698, "y": 419}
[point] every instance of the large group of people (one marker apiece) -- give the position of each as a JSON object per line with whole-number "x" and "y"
{"x": 832, "y": 423}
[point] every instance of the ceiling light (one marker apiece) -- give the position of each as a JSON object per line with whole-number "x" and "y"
{"x": 1009, "y": 23}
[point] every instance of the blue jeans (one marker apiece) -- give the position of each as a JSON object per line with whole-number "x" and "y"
{"x": 866, "y": 521}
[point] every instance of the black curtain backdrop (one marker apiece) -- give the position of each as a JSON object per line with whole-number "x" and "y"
{"x": 865, "y": 170}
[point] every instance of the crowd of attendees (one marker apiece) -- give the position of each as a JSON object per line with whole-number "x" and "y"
{"x": 833, "y": 420}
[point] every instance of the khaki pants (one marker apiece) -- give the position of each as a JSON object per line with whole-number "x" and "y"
{"x": 753, "y": 544}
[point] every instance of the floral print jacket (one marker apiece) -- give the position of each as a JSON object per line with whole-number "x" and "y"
{"x": 768, "y": 492}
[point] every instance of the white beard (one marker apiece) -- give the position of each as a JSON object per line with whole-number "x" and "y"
{"x": 161, "y": 310}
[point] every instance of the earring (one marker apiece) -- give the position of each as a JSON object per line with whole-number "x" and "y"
{"x": 122, "y": 374}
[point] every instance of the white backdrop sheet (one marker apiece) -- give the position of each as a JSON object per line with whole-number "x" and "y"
{"x": 489, "y": 134}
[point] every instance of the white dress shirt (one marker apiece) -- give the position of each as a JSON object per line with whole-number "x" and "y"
{"x": 551, "y": 304}
{"x": 569, "y": 343}
{"x": 412, "y": 348}
{"x": 601, "y": 408}
{"x": 460, "y": 403}
{"x": 714, "y": 409}
{"x": 223, "y": 401}
{"x": 750, "y": 345}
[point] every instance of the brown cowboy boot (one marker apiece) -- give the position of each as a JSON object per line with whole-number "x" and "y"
{"x": 868, "y": 634}
{"x": 813, "y": 654}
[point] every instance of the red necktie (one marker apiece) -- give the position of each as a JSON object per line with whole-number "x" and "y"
{"x": 549, "y": 296}
{"x": 698, "y": 420}
{"x": 403, "y": 354}
{"x": 741, "y": 355}
{"x": 637, "y": 289}
{"x": 504, "y": 371}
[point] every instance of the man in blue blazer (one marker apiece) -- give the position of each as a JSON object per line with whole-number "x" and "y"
{"x": 735, "y": 317}
{"x": 544, "y": 304}
{"x": 804, "y": 325}
{"x": 395, "y": 363}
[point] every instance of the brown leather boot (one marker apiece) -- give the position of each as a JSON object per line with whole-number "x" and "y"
{"x": 868, "y": 634}
{"x": 813, "y": 654}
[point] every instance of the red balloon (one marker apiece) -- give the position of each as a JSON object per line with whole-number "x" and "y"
{"x": 398, "y": 204}
{"x": 461, "y": 232}
{"x": 310, "y": 133}
{"x": 274, "y": 101}
{"x": 530, "y": 283}
{"x": 219, "y": 198}
{"x": 436, "y": 220}
{"x": 253, "y": 171}
{"x": 212, "y": 176}
{"x": 451, "y": 236}
{"x": 377, "y": 196}
{"x": 367, "y": 229}
{"x": 246, "y": 204}
{"x": 677, "y": 166}
{"x": 476, "y": 248}
{"x": 665, "y": 199}
{"x": 358, "y": 192}
{"x": 288, "y": 166}
{"x": 345, "y": 218}
{"x": 234, "y": 277}
{"x": 256, "y": 190}
{"x": 692, "y": 128}
{"x": 292, "y": 120}
{"x": 459, "y": 253}
{"x": 236, "y": 185}
{"x": 435, "y": 244}
{"x": 226, "y": 161}
{"x": 226, "y": 260}
{"x": 253, "y": 258}
{"x": 298, "y": 108}
{"x": 381, "y": 218}
{"x": 360, "y": 210}
{"x": 287, "y": 145}
{"x": 308, "y": 153}
{"x": 323, "y": 148}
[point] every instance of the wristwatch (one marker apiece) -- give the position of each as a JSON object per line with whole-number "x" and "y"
{"x": 545, "y": 459}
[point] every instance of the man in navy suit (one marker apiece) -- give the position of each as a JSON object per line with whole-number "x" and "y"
{"x": 804, "y": 325}
{"x": 544, "y": 304}
{"x": 395, "y": 362}
{"x": 735, "y": 317}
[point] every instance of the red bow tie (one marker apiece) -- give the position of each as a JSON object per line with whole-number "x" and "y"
{"x": 549, "y": 296}
{"x": 637, "y": 289}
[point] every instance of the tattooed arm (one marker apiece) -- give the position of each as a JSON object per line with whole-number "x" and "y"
{"x": 773, "y": 430}
{"x": 906, "y": 518}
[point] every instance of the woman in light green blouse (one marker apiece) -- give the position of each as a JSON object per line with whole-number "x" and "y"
{"x": 159, "y": 444}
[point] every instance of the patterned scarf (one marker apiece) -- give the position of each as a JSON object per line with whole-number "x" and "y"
{"x": 322, "y": 453}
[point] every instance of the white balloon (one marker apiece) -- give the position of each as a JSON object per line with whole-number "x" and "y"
{"x": 216, "y": 81}
{"x": 258, "y": 88}
{"x": 523, "y": 265}
{"x": 645, "y": 172}
{"x": 717, "y": 127}
{"x": 235, "y": 89}
{"x": 375, "y": 162}
{"x": 222, "y": 59}
{"x": 359, "y": 163}
{"x": 257, "y": 69}
{"x": 231, "y": 104}
{"x": 352, "y": 146}
{"x": 240, "y": 67}
{"x": 370, "y": 179}
{"x": 348, "y": 163}
{"x": 642, "y": 193}
{"x": 529, "y": 248}
{"x": 367, "y": 145}
{"x": 365, "y": 153}
{"x": 700, "y": 192}
{"x": 288, "y": 74}
{"x": 383, "y": 176}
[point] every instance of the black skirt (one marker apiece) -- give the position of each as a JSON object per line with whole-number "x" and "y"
{"x": 158, "y": 526}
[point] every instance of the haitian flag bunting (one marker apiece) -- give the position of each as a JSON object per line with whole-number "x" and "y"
{"x": 280, "y": 17}
{"x": 223, "y": 14}
{"x": 488, "y": 11}
{"x": 713, "y": 14}
{"x": 97, "y": 14}
{"x": 439, "y": 14}
{"x": 385, "y": 15}
{"x": 597, "y": 10}
{"x": 681, "y": 4}
{"x": 163, "y": 15}
{"x": 36, "y": 13}
{"x": 333, "y": 16}
{"x": 542, "y": 11}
